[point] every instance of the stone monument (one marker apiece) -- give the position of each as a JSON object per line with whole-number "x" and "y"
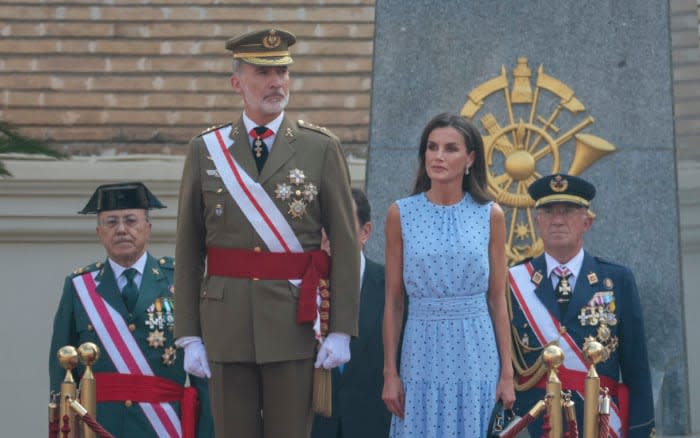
{"x": 583, "y": 88}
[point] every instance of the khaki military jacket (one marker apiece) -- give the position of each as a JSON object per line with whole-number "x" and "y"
{"x": 249, "y": 320}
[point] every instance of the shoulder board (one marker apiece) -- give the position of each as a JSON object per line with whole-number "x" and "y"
{"x": 311, "y": 126}
{"x": 89, "y": 268}
{"x": 212, "y": 128}
{"x": 166, "y": 262}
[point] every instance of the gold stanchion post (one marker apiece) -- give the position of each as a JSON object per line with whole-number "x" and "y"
{"x": 553, "y": 356}
{"x": 593, "y": 352}
{"x": 68, "y": 358}
{"x": 89, "y": 353}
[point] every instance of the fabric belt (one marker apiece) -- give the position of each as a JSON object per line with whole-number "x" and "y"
{"x": 575, "y": 381}
{"x": 448, "y": 307}
{"x": 310, "y": 267}
{"x": 150, "y": 389}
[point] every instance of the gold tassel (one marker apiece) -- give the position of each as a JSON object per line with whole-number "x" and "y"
{"x": 322, "y": 392}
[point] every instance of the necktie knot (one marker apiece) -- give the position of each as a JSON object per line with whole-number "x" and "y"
{"x": 261, "y": 132}
{"x": 129, "y": 274}
{"x": 562, "y": 272}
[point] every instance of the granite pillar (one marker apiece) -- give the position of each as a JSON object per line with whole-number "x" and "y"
{"x": 615, "y": 56}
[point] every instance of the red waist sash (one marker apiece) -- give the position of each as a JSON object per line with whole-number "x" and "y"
{"x": 150, "y": 389}
{"x": 310, "y": 267}
{"x": 575, "y": 381}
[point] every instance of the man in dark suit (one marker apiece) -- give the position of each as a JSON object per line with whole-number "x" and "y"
{"x": 569, "y": 297}
{"x": 358, "y": 409}
{"x": 254, "y": 197}
{"x": 125, "y": 305}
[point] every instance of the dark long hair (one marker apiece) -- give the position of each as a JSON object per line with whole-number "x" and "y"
{"x": 475, "y": 182}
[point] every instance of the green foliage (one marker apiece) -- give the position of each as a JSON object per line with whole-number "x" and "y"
{"x": 12, "y": 142}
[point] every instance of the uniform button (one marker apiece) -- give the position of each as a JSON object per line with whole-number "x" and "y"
{"x": 204, "y": 293}
{"x": 219, "y": 190}
{"x": 128, "y": 403}
{"x": 90, "y": 327}
{"x": 257, "y": 249}
{"x": 132, "y": 327}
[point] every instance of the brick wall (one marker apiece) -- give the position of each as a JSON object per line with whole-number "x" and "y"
{"x": 685, "y": 42}
{"x": 143, "y": 76}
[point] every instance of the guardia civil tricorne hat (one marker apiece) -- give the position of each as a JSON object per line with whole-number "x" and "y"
{"x": 121, "y": 196}
{"x": 560, "y": 187}
{"x": 269, "y": 47}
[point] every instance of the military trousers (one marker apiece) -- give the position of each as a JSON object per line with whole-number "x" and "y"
{"x": 270, "y": 400}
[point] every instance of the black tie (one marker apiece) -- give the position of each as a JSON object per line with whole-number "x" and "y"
{"x": 130, "y": 293}
{"x": 260, "y": 152}
{"x": 563, "y": 290}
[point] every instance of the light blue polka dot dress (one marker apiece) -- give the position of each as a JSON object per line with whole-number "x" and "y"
{"x": 449, "y": 359}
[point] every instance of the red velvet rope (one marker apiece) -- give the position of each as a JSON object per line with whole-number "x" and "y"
{"x": 546, "y": 427}
{"x": 53, "y": 428}
{"x": 604, "y": 423}
{"x": 572, "y": 431}
{"x": 96, "y": 427}
{"x": 519, "y": 426}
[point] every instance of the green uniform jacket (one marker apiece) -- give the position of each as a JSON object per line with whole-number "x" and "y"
{"x": 72, "y": 327}
{"x": 247, "y": 320}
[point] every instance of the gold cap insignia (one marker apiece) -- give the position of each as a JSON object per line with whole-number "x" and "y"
{"x": 271, "y": 40}
{"x": 558, "y": 184}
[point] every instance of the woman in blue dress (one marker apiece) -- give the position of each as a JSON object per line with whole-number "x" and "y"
{"x": 445, "y": 248}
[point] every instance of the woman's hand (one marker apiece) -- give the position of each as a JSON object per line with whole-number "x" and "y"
{"x": 393, "y": 395}
{"x": 505, "y": 391}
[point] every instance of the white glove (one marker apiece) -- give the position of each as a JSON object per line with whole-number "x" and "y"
{"x": 195, "y": 356}
{"x": 334, "y": 351}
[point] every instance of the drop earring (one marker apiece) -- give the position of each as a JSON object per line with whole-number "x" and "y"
{"x": 466, "y": 172}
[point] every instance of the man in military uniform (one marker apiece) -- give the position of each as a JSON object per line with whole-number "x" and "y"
{"x": 125, "y": 305}
{"x": 570, "y": 297}
{"x": 254, "y": 198}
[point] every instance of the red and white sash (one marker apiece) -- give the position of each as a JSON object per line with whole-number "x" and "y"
{"x": 124, "y": 351}
{"x": 547, "y": 329}
{"x": 255, "y": 203}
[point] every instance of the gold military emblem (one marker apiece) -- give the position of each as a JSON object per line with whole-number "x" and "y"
{"x": 558, "y": 184}
{"x": 271, "y": 40}
{"x": 526, "y": 135}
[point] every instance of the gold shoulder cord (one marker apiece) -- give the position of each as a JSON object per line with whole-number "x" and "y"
{"x": 531, "y": 374}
